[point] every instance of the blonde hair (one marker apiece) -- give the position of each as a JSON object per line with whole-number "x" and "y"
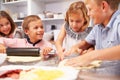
{"x": 112, "y": 3}
{"x": 77, "y": 7}
{"x": 29, "y": 19}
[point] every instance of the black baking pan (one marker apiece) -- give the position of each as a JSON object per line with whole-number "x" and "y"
{"x": 23, "y": 51}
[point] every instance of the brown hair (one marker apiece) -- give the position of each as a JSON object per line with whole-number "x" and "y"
{"x": 75, "y": 8}
{"x": 4, "y": 14}
{"x": 113, "y": 3}
{"x": 29, "y": 19}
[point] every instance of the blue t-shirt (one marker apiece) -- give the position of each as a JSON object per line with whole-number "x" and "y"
{"x": 105, "y": 37}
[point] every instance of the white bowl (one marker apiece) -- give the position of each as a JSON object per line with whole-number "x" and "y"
{"x": 3, "y": 57}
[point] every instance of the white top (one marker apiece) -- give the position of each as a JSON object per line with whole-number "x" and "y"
{"x": 69, "y": 42}
{"x": 72, "y": 37}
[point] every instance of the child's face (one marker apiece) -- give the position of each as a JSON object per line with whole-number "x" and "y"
{"x": 76, "y": 21}
{"x": 96, "y": 12}
{"x": 5, "y": 26}
{"x": 35, "y": 31}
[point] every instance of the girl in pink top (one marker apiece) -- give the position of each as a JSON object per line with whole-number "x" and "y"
{"x": 33, "y": 28}
{"x": 7, "y": 26}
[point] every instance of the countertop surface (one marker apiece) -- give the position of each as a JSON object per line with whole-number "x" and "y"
{"x": 51, "y": 61}
{"x": 109, "y": 70}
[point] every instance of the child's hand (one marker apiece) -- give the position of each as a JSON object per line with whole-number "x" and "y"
{"x": 46, "y": 50}
{"x": 2, "y": 48}
{"x": 86, "y": 51}
{"x": 74, "y": 49}
{"x": 61, "y": 54}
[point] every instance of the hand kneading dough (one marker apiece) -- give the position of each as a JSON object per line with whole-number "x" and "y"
{"x": 93, "y": 64}
{"x": 22, "y": 59}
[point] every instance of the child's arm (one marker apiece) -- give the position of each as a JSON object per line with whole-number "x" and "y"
{"x": 59, "y": 42}
{"x": 79, "y": 47}
{"x": 2, "y": 48}
{"x": 46, "y": 50}
{"x": 88, "y": 50}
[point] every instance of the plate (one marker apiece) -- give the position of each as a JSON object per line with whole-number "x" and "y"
{"x": 68, "y": 72}
{"x": 2, "y": 57}
{"x": 23, "y": 59}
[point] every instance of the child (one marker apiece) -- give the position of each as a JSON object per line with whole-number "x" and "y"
{"x": 75, "y": 28}
{"x": 33, "y": 28}
{"x": 7, "y": 26}
{"x": 105, "y": 35}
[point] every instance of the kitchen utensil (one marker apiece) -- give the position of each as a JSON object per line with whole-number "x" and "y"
{"x": 23, "y": 51}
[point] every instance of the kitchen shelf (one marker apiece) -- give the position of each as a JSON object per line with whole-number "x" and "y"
{"x": 48, "y": 1}
{"x": 15, "y": 3}
{"x": 45, "y": 1}
{"x": 16, "y": 9}
{"x": 47, "y": 19}
{"x": 18, "y": 21}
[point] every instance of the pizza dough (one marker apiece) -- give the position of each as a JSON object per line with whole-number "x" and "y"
{"x": 93, "y": 64}
{"x": 22, "y": 59}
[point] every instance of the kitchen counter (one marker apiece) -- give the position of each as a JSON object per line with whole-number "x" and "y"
{"x": 52, "y": 61}
{"x": 109, "y": 70}
{"x": 87, "y": 75}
